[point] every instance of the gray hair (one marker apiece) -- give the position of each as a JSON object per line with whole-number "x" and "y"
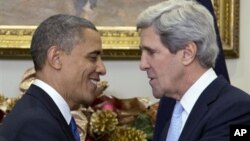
{"x": 63, "y": 31}
{"x": 179, "y": 22}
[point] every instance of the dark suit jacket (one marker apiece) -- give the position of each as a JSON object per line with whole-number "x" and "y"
{"x": 219, "y": 106}
{"x": 35, "y": 117}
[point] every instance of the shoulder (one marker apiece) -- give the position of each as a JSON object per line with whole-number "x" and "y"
{"x": 220, "y": 90}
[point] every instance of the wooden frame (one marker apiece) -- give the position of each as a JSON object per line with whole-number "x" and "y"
{"x": 227, "y": 13}
{"x": 121, "y": 42}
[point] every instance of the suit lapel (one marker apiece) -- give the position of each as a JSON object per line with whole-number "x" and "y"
{"x": 51, "y": 107}
{"x": 208, "y": 96}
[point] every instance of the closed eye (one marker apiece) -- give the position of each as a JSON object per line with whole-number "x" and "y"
{"x": 148, "y": 50}
{"x": 93, "y": 56}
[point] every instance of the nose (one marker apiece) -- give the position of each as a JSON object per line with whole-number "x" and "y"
{"x": 101, "y": 69}
{"x": 143, "y": 62}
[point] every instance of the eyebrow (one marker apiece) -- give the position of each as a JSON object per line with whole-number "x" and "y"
{"x": 141, "y": 47}
{"x": 98, "y": 52}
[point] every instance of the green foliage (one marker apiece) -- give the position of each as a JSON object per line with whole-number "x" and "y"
{"x": 144, "y": 123}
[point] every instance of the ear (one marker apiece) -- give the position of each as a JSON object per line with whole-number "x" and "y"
{"x": 54, "y": 57}
{"x": 189, "y": 53}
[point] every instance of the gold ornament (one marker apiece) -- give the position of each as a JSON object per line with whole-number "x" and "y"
{"x": 103, "y": 122}
{"x": 27, "y": 79}
{"x": 127, "y": 134}
{"x": 2, "y": 99}
{"x": 6, "y": 104}
{"x": 81, "y": 122}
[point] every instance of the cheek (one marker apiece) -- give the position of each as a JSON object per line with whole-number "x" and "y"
{"x": 84, "y": 75}
{"x": 162, "y": 68}
{"x": 176, "y": 74}
{"x": 164, "y": 71}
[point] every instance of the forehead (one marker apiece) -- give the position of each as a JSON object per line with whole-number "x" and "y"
{"x": 90, "y": 35}
{"x": 149, "y": 32}
{"x": 149, "y": 37}
{"x": 91, "y": 41}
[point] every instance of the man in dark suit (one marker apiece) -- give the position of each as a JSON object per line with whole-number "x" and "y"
{"x": 179, "y": 51}
{"x": 66, "y": 51}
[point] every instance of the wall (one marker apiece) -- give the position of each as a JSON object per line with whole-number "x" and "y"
{"x": 239, "y": 69}
{"x": 125, "y": 78}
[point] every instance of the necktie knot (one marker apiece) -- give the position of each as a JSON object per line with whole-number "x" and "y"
{"x": 74, "y": 130}
{"x": 178, "y": 109}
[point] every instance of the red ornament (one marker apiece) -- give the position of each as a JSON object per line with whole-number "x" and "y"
{"x": 88, "y": 138}
{"x": 108, "y": 106}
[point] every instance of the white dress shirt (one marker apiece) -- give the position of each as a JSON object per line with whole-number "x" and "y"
{"x": 190, "y": 97}
{"x": 57, "y": 98}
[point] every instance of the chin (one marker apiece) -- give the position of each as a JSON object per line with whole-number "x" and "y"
{"x": 157, "y": 96}
{"x": 90, "y": 101}
{"x": 76, "y": 107}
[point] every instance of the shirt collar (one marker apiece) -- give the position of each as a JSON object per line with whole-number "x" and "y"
{"x": 190, "y": 97}
{"x": 57, "y": 98}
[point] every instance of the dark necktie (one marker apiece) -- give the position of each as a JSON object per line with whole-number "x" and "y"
{"x": 74, "y": 130}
